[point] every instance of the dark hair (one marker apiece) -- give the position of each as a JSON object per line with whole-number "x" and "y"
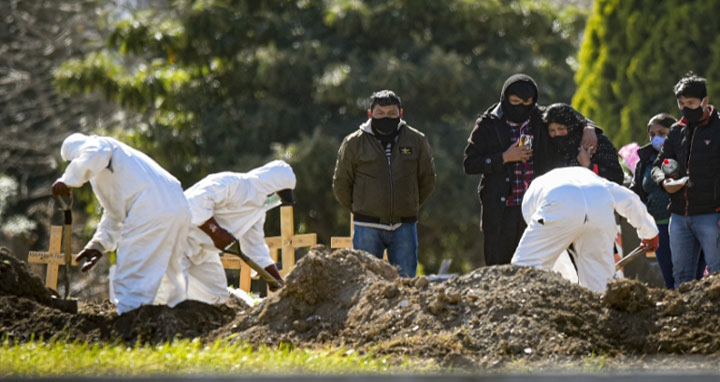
{"x": 385, "y": 98}
{"x": 662, "y": 119}
{"x": 691, "y": 86}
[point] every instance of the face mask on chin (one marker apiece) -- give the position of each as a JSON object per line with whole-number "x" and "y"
{"x": 385, "y": 126}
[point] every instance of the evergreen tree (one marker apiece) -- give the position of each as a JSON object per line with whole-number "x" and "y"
{"x": 633, "y": 53}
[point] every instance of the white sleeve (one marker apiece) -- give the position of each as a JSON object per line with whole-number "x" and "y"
{"x": 252, "y": 244}
{"x": 107, "y": 234}
{"x": 203, "y": 199}
{"x": 94, "y": 158}
{"x": 629, "y": 205}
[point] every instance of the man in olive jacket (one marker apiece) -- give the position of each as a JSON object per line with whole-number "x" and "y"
{"x": 384, "y": 173}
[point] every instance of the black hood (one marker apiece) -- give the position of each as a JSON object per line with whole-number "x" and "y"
{"x": 519, "y": 78}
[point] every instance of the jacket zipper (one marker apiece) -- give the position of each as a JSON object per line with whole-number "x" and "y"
{"x": 391, "y": 183}
{"x": 687, "y": 166}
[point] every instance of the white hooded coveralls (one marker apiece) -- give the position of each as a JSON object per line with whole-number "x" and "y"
{"x": 237, "y": 202}
{"x": 573, "y": 205}
{"x": 145, "y": 218}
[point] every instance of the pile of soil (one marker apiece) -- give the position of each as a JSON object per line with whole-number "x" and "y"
{"x": 27, "y": 311}
{"x": 350, "y": 298}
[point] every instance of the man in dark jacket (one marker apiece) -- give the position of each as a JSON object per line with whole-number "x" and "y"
{"x": 384, "y": 173}
{"x": 694, "y": 142}
{"x": 506, "y": 166}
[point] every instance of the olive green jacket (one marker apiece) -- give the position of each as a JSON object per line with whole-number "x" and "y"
{"x": 367, "y": 185}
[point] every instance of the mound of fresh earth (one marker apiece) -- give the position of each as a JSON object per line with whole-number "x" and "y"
{"x": 27, "y": 310}
{"x": 350, "y": 298}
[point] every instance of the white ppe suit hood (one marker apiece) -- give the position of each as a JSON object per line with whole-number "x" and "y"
{"x": 71, "y": 147}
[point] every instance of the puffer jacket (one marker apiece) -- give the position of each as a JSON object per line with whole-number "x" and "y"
{"x": 697, "y": 150}
{"x": 380, "y": 192}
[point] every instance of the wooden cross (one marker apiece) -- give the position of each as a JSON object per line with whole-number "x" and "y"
{"x": 286, "y": 242}
{"x": 52, "y": 257}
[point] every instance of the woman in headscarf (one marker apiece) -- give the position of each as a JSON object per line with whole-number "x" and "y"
{"x": 565, "y": 126}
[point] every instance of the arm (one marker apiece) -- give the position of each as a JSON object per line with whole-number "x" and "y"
{"x": 478, "y": 158}
{"x": 632, "y": 208}
{"x": 426, "y": 172}
{"x": 590, "y": 137}
{"x": 107, "y": 235}
{"x": 204, "y": 196}
{"x": 252, "y": 243}
{"x": 636, "y": 185}
{"x": 344, "y": 176}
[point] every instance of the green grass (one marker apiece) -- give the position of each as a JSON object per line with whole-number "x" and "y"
{"x": 190, "y": 357}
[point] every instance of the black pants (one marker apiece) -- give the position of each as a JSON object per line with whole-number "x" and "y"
{"x": 502, "y": 235}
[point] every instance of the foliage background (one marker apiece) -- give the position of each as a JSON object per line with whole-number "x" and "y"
{"x": 228, "y": 85}
{"x": 635, "y": 51}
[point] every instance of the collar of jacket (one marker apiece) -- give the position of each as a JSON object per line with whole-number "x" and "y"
{"x": 683, "y": 121}
{"x": 368, "y": 129}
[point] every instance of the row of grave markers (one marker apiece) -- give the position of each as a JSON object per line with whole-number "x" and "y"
{"x": 285, "y": 244}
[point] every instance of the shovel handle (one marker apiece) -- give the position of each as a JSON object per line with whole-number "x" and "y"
{"x": 634, "y": 254}
{"x": 234, "y": 249}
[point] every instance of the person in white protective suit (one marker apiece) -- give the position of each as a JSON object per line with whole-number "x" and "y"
{"x": 226, "y": 206}
{"x": 145, "y": 219}
{"x": 572, "y": 205}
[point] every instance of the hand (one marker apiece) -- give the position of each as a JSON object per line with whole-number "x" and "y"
{"x": 273, "y": 271}
{"x": 671, "y": 189}
{"x": 221, "y": 238}
{"x": 584, "y": 157}
{"x": 589, "y": 139}
{"x": 60, "y": 189}
{"x": 90, "y": 256}
{"x": 516, "y": 153}
{"x": 652, "y": 244}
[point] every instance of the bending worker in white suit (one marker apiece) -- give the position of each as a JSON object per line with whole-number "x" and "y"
{"x": 226, "y": 206}
{"x": 145, "y": 218}
{"x": 572, "y": 205}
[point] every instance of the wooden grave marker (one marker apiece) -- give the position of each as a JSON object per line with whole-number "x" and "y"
{"x": 53, "y": 257}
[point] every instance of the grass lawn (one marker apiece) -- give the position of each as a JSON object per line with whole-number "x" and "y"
{"x": 58, "y": 358}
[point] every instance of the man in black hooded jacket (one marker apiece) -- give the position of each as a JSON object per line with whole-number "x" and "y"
{"x": 507, "y": 164}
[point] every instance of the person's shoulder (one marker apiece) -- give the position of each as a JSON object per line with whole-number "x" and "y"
{"x": 414, "y": 132}
{"x": 354, "y": 136}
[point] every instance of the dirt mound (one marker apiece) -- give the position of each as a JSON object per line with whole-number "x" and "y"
{"x": 27, "y": 310}
{"x": 350, "y": 298}
{"x": 16, "y": 279}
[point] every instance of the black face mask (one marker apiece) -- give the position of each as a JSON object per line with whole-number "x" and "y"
{"x": 385, "y": 126}
{"x": 560, "y": 142}
{"x": 516, "y": 113}
{"x": 693, "y": 115}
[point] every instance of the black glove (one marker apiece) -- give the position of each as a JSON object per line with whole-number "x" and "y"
{"x": 221, "y": 238}
{"x": 91, "y": 257}
{"x": 273, "y": 271}
{"x": 287, "y": 196}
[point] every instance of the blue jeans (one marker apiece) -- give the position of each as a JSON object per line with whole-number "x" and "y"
{"x": 688, "y": 236}
{"x": 401, "y": 245}
{"x": 664, "y": 259}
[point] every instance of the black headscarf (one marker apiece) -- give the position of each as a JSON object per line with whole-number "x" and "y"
{"x": 566, "y": 146}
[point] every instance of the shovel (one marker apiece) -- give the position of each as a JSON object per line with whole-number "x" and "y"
{"x": 631, "y": 256}
{"x": 67, "y": 235}
{"x": 234, "y": 249}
